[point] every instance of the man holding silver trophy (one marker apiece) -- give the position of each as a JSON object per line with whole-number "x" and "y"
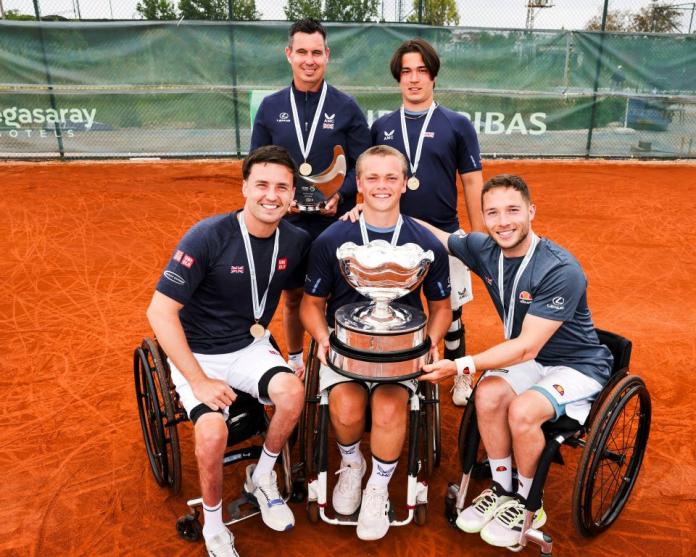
{"x": 381, "y": 233}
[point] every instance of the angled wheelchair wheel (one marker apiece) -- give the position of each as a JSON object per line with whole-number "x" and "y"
{"x": 158, "y": 414}
{"x": 309, "y": 419}
{"x": 612, "y": 456}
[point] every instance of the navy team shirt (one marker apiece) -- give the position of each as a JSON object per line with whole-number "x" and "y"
{"x": 324, "y": 278}
{"x": 450, "y": 147}
{"x": 553, "y": 286}
{"x": 342, "y": 123}
{"x": 209, "y": 275}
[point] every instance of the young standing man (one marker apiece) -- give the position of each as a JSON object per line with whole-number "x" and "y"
{"x": 381, "y": 180}
{"x": 550, "y": 364}
{"x": 442, "y": 148}
{"x": 210, "y": 312}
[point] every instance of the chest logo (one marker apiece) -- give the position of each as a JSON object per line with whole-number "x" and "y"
{"x": 525, "y": 297}
{"x": 282, "y": 263}
{"x": 388, "y": 136}
{"x": 429, "y": 135}
{"x": 283, "y": 117}
{"x": 237, "y": 269}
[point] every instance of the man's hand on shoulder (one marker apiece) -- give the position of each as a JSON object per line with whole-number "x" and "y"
{"x": 354, "y": 214}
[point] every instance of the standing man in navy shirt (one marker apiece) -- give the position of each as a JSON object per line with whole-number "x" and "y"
{"x": 210, "y": 312}
{"x": 550, "y": 364}
{"x": 381, "y": 180}
{"x": 442, "y": 148}
{"x": 309, "y": 118}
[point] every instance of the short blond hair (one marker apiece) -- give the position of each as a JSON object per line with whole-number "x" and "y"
{"x": 381, "y": 151}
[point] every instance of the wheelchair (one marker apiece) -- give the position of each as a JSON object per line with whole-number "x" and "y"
{"x": 613, "y": 440}
{"x": 424, "y": 449}
{"x": 161, "y": 412}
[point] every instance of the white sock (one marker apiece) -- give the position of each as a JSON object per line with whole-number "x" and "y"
{"x": 212, "y": 520}
{"x": 501, "y": 470}
{"x": 265, "y": 464}
{"x": 350, "y": 454}
{"x": 524, "y": 484}
{"x": 454, "y": 326}
{"x": 381, "y": 472}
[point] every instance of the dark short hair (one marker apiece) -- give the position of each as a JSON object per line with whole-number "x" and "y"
{"x": 307, "y": 25}
{"x": 381, "y": 151}
{"x": 507, "y": 181}
{"x": 422, "y": 47}
{"x": 269, "y": 154}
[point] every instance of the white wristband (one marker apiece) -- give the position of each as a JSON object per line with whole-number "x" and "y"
{"x": 296, "y": 359}
{"x": 465, "y": 365}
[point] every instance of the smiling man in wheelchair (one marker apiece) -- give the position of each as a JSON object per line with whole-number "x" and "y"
{"x": 551, "y": 362}
{"x": 381, "y": 178}
{"x": 210, "y": 311}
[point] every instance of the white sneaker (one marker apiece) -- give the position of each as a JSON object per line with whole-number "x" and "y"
{"x": 221, "y": 545}
{"x": 373, "y": 521}
{"x": 506, "y": 528}
{"x": 274, "y": 512}
{"x": 461, "y": 390}
{"x": 482, "y": 509}
{"x": 348, "y": 489}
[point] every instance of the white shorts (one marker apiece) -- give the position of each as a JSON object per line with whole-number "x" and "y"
{"x": 241, "y": 370}
{"x": 329, "y": 378}
{"x": 460, "y": 281}
{"x": 569, "y": 391}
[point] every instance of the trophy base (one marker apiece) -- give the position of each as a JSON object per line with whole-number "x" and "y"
{"x": 384, "y": 352}
{"x": 311, "y": 208}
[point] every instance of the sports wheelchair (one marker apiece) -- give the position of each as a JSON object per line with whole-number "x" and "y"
{"x": 161, "y": 412}
{"x": 613, "y": 439}
{"x": 423, "y": 449}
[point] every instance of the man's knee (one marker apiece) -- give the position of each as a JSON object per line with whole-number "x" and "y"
{"x": 210, "y": 436}
{"x": 528, "y": 412}
{"x": 389, "y": 406}
{"x": 493, "y": 395}
{"x": 286, "y": 391}
{"x": 347, "y": 404}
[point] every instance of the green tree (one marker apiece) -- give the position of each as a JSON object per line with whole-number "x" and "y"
{"x": 617, "y": 20}
{"x": 298, "y": 9}
{"x": 156, "y": 9}
{"x": 657, "y": 18}
{"x": 351, "y": 10}
{"x": 235, "y": 10}
{"x": 436, "y": 12}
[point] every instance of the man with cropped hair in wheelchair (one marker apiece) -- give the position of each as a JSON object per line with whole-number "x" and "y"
{"x": 550, "y": 364}
{"x": 210, "y": 313}
{"x": 381, "y": 179}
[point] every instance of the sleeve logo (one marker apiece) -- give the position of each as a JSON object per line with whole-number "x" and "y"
{"x": 557, "y": 303}
{"x": 185, "y": 259}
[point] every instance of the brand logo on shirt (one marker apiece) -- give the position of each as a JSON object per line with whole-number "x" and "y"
{"x": 489, "y": 280}
{"x": 176, "y": 279}
{"x": 237, "y": 269}
{"x": 525, "y": 297}
{"x": 429, "y": 135}
{"x": 560, "y": 389}
{"x": 388, "y": 136}
{"x": 273, "y": 352}
{"x": 557, "y": 303}
{"x": 282, "y": 263}
{"x": 329, "y": 121}
{"x": 283, "y": 117}
{"x": 185, "y": 259}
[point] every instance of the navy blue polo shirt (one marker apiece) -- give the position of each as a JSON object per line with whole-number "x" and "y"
{"x": 450, "y": 148}
{"x": 342, "y": 123}
{"x": 209, "y": 274}
{"x": 553, "y": 286}
{"x": 324, "y": 278}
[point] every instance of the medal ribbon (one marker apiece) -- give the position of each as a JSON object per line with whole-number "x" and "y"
{"x": 395, "y": 234}
{"x": 296, "y": 120}
{"x": 259, "y": 307}
{"x": 510, "y": 315}
{"x": 404, "y": 133}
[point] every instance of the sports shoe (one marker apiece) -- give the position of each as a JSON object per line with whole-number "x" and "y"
{"x": 221, "y": 545}
{"x": 274, "y": 512}
{"x": 348, "y": 489}
{"x": 461, "y": 390}
{"x": 482, "y": 509}
{"x": 373, "y": 521}
{"x": 505, "y": 529}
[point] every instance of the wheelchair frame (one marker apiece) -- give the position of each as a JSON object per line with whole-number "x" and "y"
{"x": 623, "y": 399}
{"x": 160, "y": 412}
{"x": 423, "y": 454}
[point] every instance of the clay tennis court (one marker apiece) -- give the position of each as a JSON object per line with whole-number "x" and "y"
{"x": 83, "y": 245}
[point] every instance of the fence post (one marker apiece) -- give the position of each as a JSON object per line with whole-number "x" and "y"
{"x": 420, "y": 11}
{"x": 593, "y": 112}
{"x": 235, "y": 94}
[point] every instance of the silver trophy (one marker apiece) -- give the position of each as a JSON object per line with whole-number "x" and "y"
{"x": 313, "y": 192}
{"x": 381, "y": 340}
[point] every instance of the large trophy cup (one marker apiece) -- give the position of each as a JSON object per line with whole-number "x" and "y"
{"x": 313, "y": 192}
{"x": 380, "y": 340}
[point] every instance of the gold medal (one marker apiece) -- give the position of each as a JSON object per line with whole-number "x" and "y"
{"x": 413, "y": 183}
{"x": 305, "y": 169}
{"x": 257, "y": 330}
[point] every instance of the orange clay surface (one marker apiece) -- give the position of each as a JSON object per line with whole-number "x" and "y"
{"x": 83, "y": 245}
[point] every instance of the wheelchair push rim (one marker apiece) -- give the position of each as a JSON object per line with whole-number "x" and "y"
{"x": 157, "y": 415}
{"x": 612, "y": 456}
